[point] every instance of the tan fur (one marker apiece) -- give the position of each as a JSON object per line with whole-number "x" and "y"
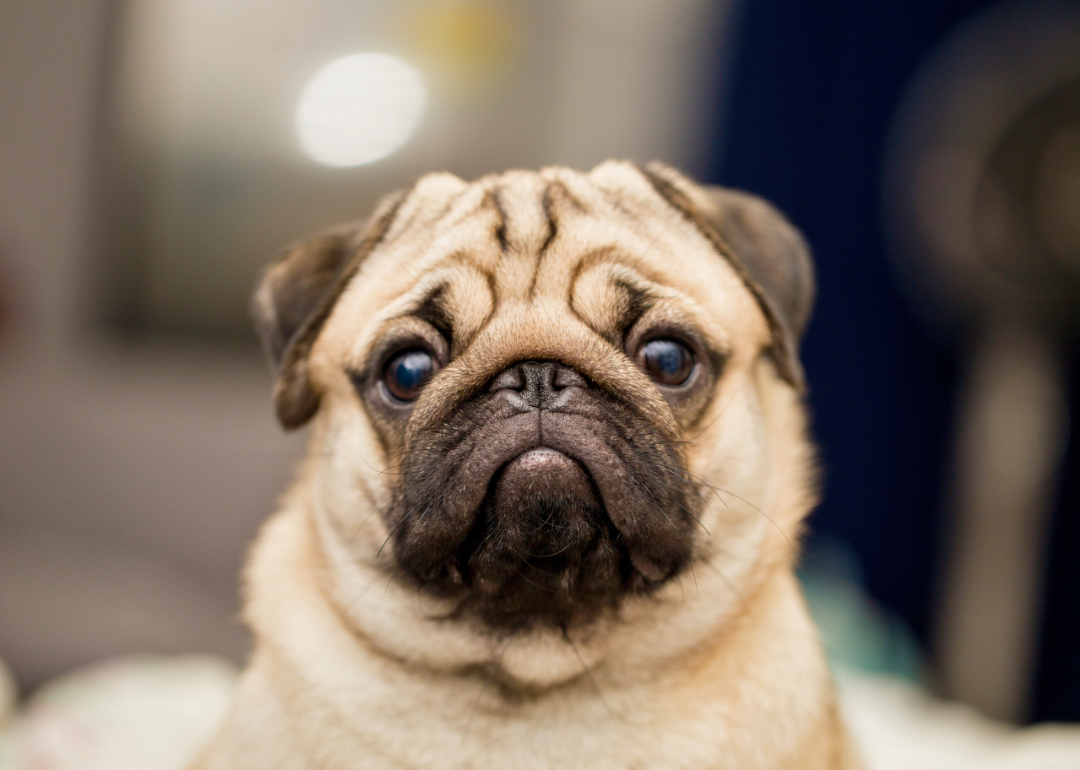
{"x": 721, "y": 669}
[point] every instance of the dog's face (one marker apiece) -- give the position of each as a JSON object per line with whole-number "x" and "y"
{"x": 540, "y": 398}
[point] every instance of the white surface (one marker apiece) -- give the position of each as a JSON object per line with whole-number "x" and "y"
{"x": 141, "y": 713}
{"x": 149, "y": 713}
{"x": 900, "y": 727}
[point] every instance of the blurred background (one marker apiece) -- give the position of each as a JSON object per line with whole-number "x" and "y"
{"x": 155, "y": 153}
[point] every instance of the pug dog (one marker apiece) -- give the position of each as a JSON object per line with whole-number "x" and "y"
{"x": 558, "y": 467}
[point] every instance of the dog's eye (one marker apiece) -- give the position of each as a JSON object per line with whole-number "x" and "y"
{"x": 668, "y": 362}
{"x": 407, "y": 374}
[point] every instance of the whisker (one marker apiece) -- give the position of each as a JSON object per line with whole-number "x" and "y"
{"x": 356, "y": 532}
{"x": 530, "y": 582}
{"x": 390, "y": 535}
{"x": 718, "y": 490}
{"x": 685, "y": 510}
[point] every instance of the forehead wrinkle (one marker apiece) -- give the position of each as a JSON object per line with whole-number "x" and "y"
{"x": 633, "y": 202}
{"x": 674, "y": 257}
{"x": 595, "y": 194}
{"x": 406, "y": 265}
{"x": 572, "y": 240}
{"x": 580, "y": 245}
{"x": 626, "y": 181}
{"x": 473, "y": 201}
{"x": 521, "y": 198}
{"x": 612, "y": 308}
{"x": 469, "y": 310}
{"x": 493, "y": 199}
{"x": 468, "y": 240}
{"x": 615, "y": 258}
{"x": 450, "y": 303}
{"x": 554, "y": 202}
{"x": 425, "y": 243}
{"x": 426, "y": 202}
{"x": 355, "y": 332}
{"x": 519, "y": 212}
{"x": 618, "y": 275}
{"x": 610, "y": 283}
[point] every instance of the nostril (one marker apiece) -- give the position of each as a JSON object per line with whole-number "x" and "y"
{"x": 510, "y": 378}
{"x": 536, "y": 383}
{"x": 565, "y": 377}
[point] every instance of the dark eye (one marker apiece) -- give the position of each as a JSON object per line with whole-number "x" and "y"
{"x": 408, "y": 373}
{"x": 668, "y": 362}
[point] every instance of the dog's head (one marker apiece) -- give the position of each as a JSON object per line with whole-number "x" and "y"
{"x": 542, "y": 397}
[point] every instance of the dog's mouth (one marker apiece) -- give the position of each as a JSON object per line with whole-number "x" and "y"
{"x": 542, "y": 547}
{"x": 533, "y": 511}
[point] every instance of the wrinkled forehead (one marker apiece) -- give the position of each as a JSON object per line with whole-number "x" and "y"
{"x": 554, "y": 242}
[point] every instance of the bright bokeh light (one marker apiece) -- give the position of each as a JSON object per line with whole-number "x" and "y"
{"x": 359, "y": 108}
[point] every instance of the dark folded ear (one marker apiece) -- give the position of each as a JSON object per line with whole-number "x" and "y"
{"x": 764, "y": 248}
{"x": 295, "y": 296}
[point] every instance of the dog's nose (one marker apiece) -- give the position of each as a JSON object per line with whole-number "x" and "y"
{"x": 537, "y": 384}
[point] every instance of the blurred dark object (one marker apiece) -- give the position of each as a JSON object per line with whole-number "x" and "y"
{"x": 983, "y": 193}
{"x": 1057, "y": 676}
{"x": 815, "y": 94}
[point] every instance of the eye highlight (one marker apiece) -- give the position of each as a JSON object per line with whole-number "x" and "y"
{"x": 407, "y": 373}
{"x": 667, "y": 362}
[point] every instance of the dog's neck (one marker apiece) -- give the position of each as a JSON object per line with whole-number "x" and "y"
{"x": 764, "y": 669}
